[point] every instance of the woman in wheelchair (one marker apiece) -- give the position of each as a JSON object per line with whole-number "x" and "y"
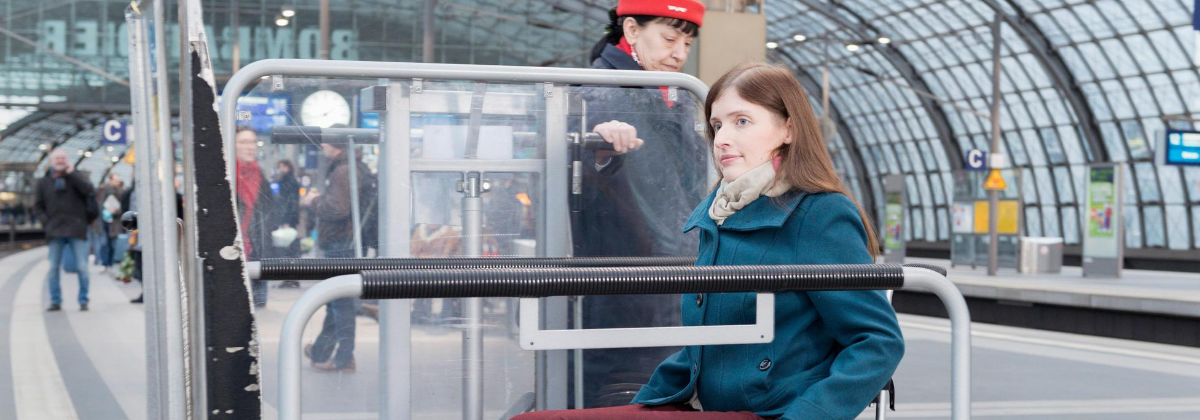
{"x": 779, "y": 201}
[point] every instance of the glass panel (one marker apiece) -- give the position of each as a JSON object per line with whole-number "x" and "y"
{"x": 1045, "y": 184}
{"x": 1143, "y": 99}
{"x": 930, "y": 225}
{"x": 1143, "y": 53}
{"x": 639, "y": 210}
{"x": 1169, "y": 49}
{"x": 1154, "y": 226}
{"x": 1062, "y": 178}
{"x": 1050, "y": 221}
{"x": 1133, "y": 227}
{"x": 1016, "y": 148}
{"x": 1113, "y": 141}
{"x": 1191, "y": 175}
{"x": 1115, "y": 93}
{"x": 1054, "y": 149}
{"x": 1177, "y": 227}
{"x": 1186, "y": 82}
{"x": 1100, "y": 66}
{"x": 1071, "y": 146}
{"x": 938, "y": 192}
{"x": 1070, "y": 216}
{"x": 1171, "y": 184}
{"x": 1120, "y": 57}
{"x": 943, "y": 223}
{"x": 1135, "y": 138}
{"x": 1147, "y": 182}
{"x": 1097, "y": 100}
{"x": 918, "y": 224}
{"x": 1079, "y": 178}
{"x": 1033, "y": 145}
{"x": 1033, "y": 221}
{"x": 1076, "y": 63}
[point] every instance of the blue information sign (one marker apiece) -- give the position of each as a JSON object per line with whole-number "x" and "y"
{"x": 1183, "y": 147}
{"x": 115, "y": 133}
{"x": 977, "y": 160}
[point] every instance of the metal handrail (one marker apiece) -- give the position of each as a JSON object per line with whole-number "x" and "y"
{"x": 914, "y": 278}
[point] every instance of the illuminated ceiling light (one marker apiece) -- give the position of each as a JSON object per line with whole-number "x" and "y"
{"x": 800, "y": 38}
{"x": 43, "y": 146}
{"x": 109, "y": 149}
{"x": 260, "y": 144}
{"x": 281, "y": 21}
{"x": 87, "y": 154}
{"x": 772, "y": 45}
{"x": 115, "y": 159}
{"x": 288, "y": 11}
{"x": 852, "y": 47}
{"x": 884, "y": 40}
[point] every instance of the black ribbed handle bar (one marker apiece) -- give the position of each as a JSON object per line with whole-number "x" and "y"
{"x": 570, "y": 281}
{"x": 323, "y": 268}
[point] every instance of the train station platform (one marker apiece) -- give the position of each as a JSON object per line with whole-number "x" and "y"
{"x": 92, "y": 365}
{"x": 1157, "y": 306}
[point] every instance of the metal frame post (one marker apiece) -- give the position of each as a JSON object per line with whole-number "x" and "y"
{"x": 960, "y": 334}
{"x": 994, "y": 196}
{"x": 551, "y": 376}
{"x": 395, "y": 316}
{"x": 141, "y": 110}
{"x": 290, "y": 357}
{"x": 472, "y": 188}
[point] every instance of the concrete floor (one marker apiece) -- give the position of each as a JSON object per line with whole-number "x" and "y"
{"x": 91, "y": 365}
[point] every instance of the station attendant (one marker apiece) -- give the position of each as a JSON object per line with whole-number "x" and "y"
{"x": 637, "y": 197}
{"x": 779, "y": 201}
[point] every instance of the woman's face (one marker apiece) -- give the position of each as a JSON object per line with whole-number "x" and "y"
{"x": 247, "y": 146}
{"x": 283, "y": 169}
{"x": 660, "y": 47}
{"x": 746, "y": 135}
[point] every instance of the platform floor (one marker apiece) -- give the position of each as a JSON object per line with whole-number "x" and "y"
{"x": 1161, "y": 292}
{"x": 91, "y": 365}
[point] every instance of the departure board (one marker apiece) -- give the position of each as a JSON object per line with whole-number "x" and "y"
{"x": 1182, "y": 147}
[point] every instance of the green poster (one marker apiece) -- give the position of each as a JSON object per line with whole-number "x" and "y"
{"x": 894, "y": 214}
{"x": 1101, "y": 203}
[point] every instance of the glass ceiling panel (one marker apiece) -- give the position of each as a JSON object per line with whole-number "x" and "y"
{"x": 1130, "y": 61}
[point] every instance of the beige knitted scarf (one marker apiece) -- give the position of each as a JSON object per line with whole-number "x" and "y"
{"x": 733, "y": 196}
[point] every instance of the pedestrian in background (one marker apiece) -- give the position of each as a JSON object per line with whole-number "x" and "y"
{"x": 63, "y": 206}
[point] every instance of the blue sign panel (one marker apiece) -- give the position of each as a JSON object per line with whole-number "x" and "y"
{"x": 264, "y": 111}
{"x": 977, "y": 160}
{"x": 1183, "y": 147}
{"x": 115, "y": 132}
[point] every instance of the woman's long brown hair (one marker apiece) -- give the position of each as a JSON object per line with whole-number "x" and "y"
{"x": 805, "y": 163}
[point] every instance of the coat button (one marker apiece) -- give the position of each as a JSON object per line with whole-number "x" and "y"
{"x": 695, "y": 368}
{"x": 764, "y": 364}
{"x": 699, "y": 299}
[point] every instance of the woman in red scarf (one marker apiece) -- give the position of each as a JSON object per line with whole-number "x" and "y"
{"x": 253, "y": 205}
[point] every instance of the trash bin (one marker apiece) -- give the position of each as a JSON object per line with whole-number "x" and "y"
{"x": 1041, "y": 255}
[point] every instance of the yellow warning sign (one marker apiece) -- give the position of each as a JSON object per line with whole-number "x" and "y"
{"x": 130, "y": 156}
{"x": 1007, "y": 216}
{"x": 995, "y": 182}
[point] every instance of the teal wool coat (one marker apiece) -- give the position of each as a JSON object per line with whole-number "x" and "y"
{"x": 833, "y": 350}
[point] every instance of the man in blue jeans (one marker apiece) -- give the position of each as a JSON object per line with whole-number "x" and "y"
{"x": 335, "y": 236}
{"x": 62, "y": 205}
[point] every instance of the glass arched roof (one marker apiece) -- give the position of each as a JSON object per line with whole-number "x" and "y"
{"x": 1083, "y": 81}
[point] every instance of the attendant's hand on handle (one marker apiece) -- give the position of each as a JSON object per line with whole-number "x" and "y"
{"x": 623, "y": 137}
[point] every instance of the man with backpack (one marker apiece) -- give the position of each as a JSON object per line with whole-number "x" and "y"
{"x": 66, "y": 205}
{"x": 334, "y": 349}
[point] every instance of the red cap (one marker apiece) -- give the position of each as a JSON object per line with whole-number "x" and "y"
{"x": 689, "y": 10}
